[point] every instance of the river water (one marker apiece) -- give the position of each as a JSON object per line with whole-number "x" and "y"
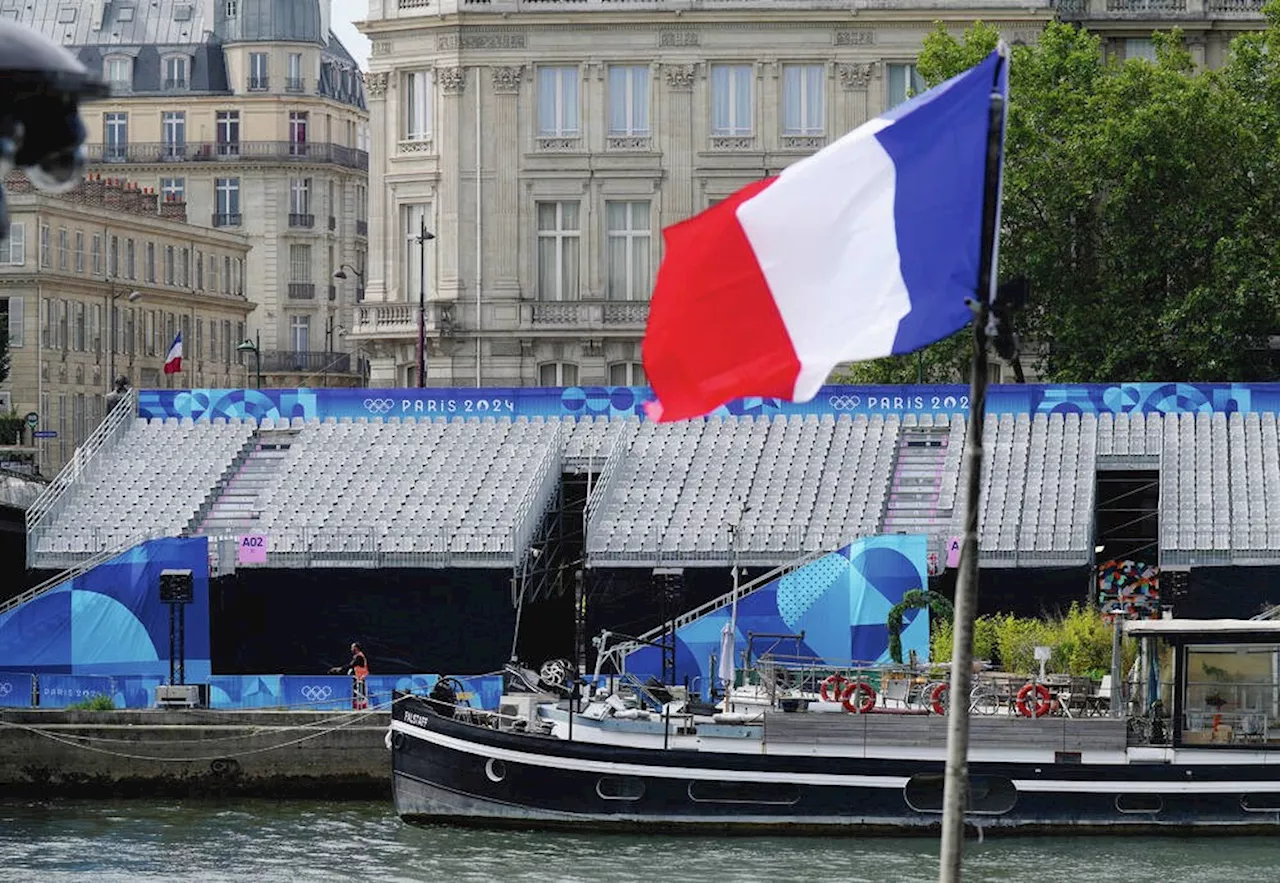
{"x": 295, "y": 841}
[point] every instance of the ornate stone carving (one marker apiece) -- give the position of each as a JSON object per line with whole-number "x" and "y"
{"x": 679, "y": 77}
{"x": 627, "y": 142}
{"x": 732, "y": 142}
{"x": 859, "y": 37}
{"x": 855, "y": 76}
{"x": 452, "y": 80}
{"x": 678, "y": 38}
{"x": 559, "y": 145}
{"x": 375, "y": 84}
{"x": 468, "y": 40}
{"x": 804, "y": 142}
{"x": 506, "y": 79}
{"x": 381, "y": 47}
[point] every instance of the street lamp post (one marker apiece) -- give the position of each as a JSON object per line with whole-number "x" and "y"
{"x": 254, "y": 346}
{"x": 131, "y": 297}
{"x": 328, "y": 350}
{"x": 423, "y": 238}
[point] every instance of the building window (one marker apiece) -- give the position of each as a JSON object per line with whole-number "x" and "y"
{"x": 558, "y": 374}
{"x": 198, "y": 264}
{"x": 113, "y": 255}
{"x": 417, "y": 106}
{"x": 115, "y": 136}
{"x": 628, "y": 100}
{"x": 77, "y": 327}
{"x": 46, "y": 252}
{"x": 1140, "y": 47}
{"x": 627, "y": 229}
{"x": 96, "y": 252}
{"x": 257, "y": 71}
{"x": 731, "y": 99}
{"x": 64, "y": 247}
{"x": 150, "y": 263}
{"x": 904, "y": 81}
{"x": 119, "y": 74}
{"x": 175, "y": 72}
{"x": 626, "y": 374}
{"x": 227, "y": 202}
{"x": 227, "y": 131}
{"x": 130, "y": 262}
{"x": 13, "y": 249}
{"x": 558, "y": 102}
{"x": 79, "y": 251}
{"x": 558, "y": 243}
{"x": 173, "y": 131}
{"x": 173, "y": 189}
{"x": 298, "y": 132}
{"x": 299, "y": 263}
{"x": 803, "y": 99}
{"x": 170, "y": 265}
{"x": 300, "y": 202}
{"x": 300, "y": 333}
{"x": 184, "y": 267}
{"x": 11, "y": 308}
{"x": 412, "y": 218}
{"x": 293, "y": 73}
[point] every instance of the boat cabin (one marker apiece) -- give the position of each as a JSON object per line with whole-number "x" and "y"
{"x": 1221, "y": 677}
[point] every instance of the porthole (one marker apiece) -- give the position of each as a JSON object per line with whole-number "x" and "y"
{"x": 988, "y": 795}
{"x": 1265, "y": 802}
{"x": 495, "y": 769}
{"x": 620, "y": 788}
{"x": 1139, "y": 803}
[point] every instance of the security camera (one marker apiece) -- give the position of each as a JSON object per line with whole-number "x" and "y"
{"x": 41, "y": 87}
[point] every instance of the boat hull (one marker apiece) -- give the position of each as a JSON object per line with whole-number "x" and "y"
{"x": 448, "y": 771}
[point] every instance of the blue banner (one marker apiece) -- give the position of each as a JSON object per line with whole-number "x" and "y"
{"x": 59, "y": 691}
{"x": 623, "y": 401}
{"x": 16, "y": 690}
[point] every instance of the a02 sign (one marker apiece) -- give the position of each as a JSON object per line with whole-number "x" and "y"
{"x": 253, "y": 549}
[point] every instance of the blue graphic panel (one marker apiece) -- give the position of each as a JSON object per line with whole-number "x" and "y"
{"x": 110, "y": 620}
{"x": 316, "y": 692}
{"x": 625, "y": 401}
{"x": 244, "y": 691}
{"x": 15, "y": 690}
{"x": 59, "y": 691}
{"x": 841, "y": 602}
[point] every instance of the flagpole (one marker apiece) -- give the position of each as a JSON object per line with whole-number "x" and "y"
{"x": 956, "y": 788}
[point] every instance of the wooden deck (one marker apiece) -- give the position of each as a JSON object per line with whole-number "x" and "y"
{"x": 930, "y": 731}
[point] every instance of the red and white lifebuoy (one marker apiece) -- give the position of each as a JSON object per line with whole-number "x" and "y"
{"x": 833, "y": 688}
{"x": 859, "y": 697}
{"x": 938, "y": 698}
{"x": 1034, "y": 707}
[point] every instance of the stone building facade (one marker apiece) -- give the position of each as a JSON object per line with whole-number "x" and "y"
{"x": 98, "y": 282}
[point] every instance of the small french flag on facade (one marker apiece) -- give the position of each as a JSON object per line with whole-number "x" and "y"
{"x": 173, "y": 360}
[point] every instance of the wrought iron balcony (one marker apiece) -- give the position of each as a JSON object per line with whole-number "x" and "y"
{"x": 227, "y": 220}
{"x": 238, "y": 151}
{"x": 581, "y": 314}
{"x": 258, "y": 84}
{"x": 309, "y": 362}
{"x": 294, "y": 84}
{"x": 300, "y": 220}
{"x": 172, "y": 84}
{"x": 302, "y": 291}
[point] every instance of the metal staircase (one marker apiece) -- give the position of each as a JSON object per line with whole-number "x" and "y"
{"x": 915, "y": 503}
{"x": 234, "y": 504}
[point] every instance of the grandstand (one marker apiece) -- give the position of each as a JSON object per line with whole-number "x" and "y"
{"x": 438, "y": 491}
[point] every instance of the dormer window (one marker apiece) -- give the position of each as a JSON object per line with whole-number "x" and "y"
{"x": 231, "y": 8}
{"x": 175, "y": 72}
{"x": 119, "y": 74}
{"x": 125, "y": 14}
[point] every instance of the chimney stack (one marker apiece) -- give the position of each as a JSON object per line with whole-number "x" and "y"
{"x": 174, "y": 210}
{"x": 114, "y": 196}
{"x": 93, "y": 189}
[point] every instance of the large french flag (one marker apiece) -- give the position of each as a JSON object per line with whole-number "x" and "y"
{"x": 173, "y": 359}
{"x": 868, "y": 248}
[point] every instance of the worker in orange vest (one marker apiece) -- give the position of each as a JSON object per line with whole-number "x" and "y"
{"x": 358, "y": 668}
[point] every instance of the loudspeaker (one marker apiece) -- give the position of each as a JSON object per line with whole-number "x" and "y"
{"x": 177, "y": 587}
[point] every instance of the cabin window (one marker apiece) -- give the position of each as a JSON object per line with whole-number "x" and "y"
{"x": 1264, "y": 802}
{"x": 1232, "y": 694}
{"x": 495, "y": 769}
{"x": 771, "y": 793}
{"x": 988, "y": 795}
{"x": 1139, "y": 803}
{"x": 620, "y": 788}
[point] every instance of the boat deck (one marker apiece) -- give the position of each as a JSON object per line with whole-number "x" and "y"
{"x": 930, "y": 731}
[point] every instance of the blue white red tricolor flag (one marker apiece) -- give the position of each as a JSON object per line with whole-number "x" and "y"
{"x": 869, "y": 248}
{"x": 173, "y": 360}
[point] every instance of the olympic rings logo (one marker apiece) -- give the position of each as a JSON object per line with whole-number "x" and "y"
{"x": 379, "y": 406}
{"x": 844, "y": 403}
{"x": 5, "y": 688}
{"x": 320, "y": 693}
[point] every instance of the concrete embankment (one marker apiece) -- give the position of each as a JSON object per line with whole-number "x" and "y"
{"x": 333, "y": 755}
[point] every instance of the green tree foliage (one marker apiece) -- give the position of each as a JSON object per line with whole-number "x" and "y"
{"x": 1139, "y": 201}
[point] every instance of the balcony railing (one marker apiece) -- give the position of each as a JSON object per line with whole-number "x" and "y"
{"x": 300, "y": 220}
{"x": 212, "y": 151}
{"x": 585, "y": 314}
{"x": 227, "y": 220}
{"x": 302, "y": 291}
{"x": 258, "y": 84}
{"x": 294, "y": 84}
{"x": 284, "y": 360}
{"x": 172, "y": 84}
{"x": 401, "y": 320}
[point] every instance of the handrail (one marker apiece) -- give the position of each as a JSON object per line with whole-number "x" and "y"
{"x": 103, "y": 435}
{"x": 70, "y": 573}
{"x": 621, "y": 445}
{"x": 547, "y": 475}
